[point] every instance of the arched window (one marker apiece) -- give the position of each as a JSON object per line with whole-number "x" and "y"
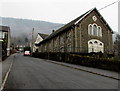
{"x": 95, "y": 29}
{"x": 90, "y": 46}
{"x": 100, "y": 44}
{"x": 90, "y": 29}
{"x": 90, "y": 43}
{"x": 99, "y": 31}
{"x": 69, "y": 48}
{"x": 95, "y": 45}
{"x": 95, "y": 42}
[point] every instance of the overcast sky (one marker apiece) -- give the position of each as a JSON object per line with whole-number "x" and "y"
{"x": 58, "y": 11}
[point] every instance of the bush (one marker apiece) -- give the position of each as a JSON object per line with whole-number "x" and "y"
{"x": 27, "y": 48}
{"x": 103, "y": 63}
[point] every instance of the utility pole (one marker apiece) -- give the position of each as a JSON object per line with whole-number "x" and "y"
{"x": 8, "y": 44}
{"x": 14, "y": 41}
{"x": 32, "y": 39}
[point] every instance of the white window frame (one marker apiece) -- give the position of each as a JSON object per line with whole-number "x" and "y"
{"x": 97, "y": 32}
{"x": 95, "y": 47}
{"x": 90, "y": 29}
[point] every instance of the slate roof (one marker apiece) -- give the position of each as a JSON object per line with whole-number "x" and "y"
{"x": 74, "y": 22}
{"x": 43, "y": 35}
{"x": 4, "y": 28}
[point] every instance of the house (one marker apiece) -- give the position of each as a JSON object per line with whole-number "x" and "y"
{"x": 85, "y": 34}
{"x": 5, "y": 39}
{"x": 40, "y": 37}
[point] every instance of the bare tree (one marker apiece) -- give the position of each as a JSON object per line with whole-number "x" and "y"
{"x": 117, "y": 45}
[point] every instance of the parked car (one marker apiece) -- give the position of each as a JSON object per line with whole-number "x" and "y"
{"x": 27, "y": 53}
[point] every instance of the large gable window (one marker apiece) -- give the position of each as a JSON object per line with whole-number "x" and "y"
{"x": 95, "y": 30}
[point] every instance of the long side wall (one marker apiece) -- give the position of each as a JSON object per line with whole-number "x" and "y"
{"x": 64, "y": 42}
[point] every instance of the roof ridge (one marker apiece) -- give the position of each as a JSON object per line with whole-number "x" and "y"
{"x": 68, "y": 24}
{"x": 43, "y": 33}
{"x": 71, "y": 23}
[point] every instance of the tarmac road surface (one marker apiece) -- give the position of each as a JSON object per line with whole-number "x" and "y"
{"x": 35, "y": 73}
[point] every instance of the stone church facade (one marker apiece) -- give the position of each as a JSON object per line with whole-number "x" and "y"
{"x": 87, "y": 33}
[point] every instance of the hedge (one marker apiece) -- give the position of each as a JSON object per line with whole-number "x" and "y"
{"x": 102, "y": 63}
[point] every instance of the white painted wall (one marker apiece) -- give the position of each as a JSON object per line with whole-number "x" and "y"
{"x": 38, "y": 39}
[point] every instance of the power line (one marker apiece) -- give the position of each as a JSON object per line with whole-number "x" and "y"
{"x": 109, "y": 5}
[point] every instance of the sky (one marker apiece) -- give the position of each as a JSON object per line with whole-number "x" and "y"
{"x": 58, "y": 11}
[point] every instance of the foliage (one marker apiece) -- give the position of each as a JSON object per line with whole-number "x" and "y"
{"x": 4, "y": 47}
{"x": 24, "y": 26}
{"x": 27, "y": 48}
{"x": 4, "y": 42}
{"x": 117, "y": 44}
{"x": 103, "y": 63}
{"x": 26, "y": 39}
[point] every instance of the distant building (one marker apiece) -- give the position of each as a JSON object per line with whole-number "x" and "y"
{"x": 5, "y": 36}
{"x": 40, "y": 37}
{"x": 20, "y": 47}
{"x": 87, "y": 33}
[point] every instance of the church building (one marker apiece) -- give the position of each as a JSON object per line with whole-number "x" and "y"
{"x": 85, "y": 34}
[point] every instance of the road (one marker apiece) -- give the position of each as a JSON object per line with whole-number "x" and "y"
{"x": 34, "y": 73}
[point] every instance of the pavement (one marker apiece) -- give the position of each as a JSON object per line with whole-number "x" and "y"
{"x": 35, "y": 73}
{"x": 102, "y": 72}
{"x": 4, "y": 68}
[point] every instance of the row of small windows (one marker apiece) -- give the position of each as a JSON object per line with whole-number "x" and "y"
{"x": 95, "y": 43}
{"x": 94, "y": 29}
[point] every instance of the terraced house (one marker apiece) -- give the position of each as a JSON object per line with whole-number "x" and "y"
{"x": 5, "y": 40}
{"x": 87, "y": 33}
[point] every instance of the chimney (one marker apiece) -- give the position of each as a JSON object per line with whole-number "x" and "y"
{"x": 53, "y": 30}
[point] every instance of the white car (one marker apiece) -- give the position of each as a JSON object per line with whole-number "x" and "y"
{"x": 27, "y": 53}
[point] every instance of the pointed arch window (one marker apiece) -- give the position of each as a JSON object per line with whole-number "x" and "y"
{"x": 90, "y": 43}
{"x": 99, "y": 31}
{"x": 95, "y": 42}
{"x": 95, "y": 29}
{"x": 90, "y": 29}
{"x": 100, "y": 44}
